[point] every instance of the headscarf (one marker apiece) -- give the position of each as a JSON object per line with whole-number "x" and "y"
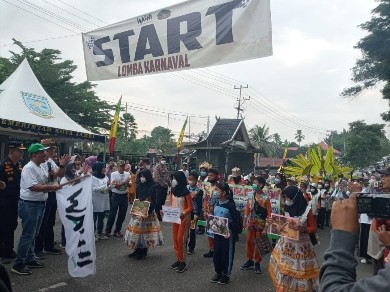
{"x": 73, "y": 158}
{"x": 97, "y": 169}
{"x": 300, "y": 203}
{"x": 144, "y": 190}
{"x": 68, "y": 171}
{"x": 181, "y": 189}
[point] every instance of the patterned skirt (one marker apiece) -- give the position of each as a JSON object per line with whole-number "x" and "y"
{"x": 293, "y": 265}
{"x": 143, "y": 232}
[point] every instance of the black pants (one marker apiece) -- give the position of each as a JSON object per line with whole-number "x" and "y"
{"x": 223, "y": 254}
{"x": 119, "y": 204}
{"x": 45, "y": 238}
{"x": 363, "y": 240}
{"x": 327, "y": 217}
{"x": 161, "y": 198}
{"x": 8, "y": 224}
{"x": 192, "y": 241}
{"x": 321, "y": 217}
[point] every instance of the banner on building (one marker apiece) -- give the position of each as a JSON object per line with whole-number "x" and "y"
{"x": 188, "y": 35}
{"x": 75, "y": 210}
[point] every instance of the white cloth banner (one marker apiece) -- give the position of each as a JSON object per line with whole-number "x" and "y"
{"x": 192, "y": 34}
{"x": 75, "y": 209}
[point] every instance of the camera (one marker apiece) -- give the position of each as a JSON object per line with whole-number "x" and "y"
{"x": 375, "y": 205}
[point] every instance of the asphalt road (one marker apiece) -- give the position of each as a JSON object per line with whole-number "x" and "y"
{"x": 116, "y": 272}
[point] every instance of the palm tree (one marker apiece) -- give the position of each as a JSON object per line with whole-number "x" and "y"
{"x": 130, "y": 127}
{"x": 299, "y": 137}
{"x": 261, "y": 138}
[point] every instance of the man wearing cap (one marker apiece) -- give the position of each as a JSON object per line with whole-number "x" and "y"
{"x": 33, "y": 189}
{"x": 10, "y": 171}
{"x": 120, "y": 180}
{"x": 235, "y": 177}
{"x": 185, "y": 169}
{"x": 45, "y": 239}
{"x": 161, "y": 176}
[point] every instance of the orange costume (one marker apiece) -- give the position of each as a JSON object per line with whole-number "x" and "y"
{"x": 181, "y": 231}
{"x": 132, "y": 188}
{"x": 256, "y": 213}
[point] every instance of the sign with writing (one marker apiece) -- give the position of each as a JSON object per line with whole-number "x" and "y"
{"x": 188, "y": 35}
{"x": 171, "y": 215}
{"x": 76, "y": 213}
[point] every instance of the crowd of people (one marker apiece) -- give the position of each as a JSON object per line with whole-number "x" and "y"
{"x": 29, "y": 192}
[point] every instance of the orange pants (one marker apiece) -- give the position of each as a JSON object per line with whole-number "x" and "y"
{"x": 251, "y": 251}
{"x": 180, "y": 236}
{"x": 211, "y": 243}
{"x": 131, "y": 198}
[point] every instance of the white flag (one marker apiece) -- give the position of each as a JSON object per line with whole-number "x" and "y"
{"x": 76, "y": 213}
{"x": 188, "y": 35}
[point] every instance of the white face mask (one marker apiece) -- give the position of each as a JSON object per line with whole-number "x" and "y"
{"x": 163, "y": 162}
{"x": 312, "y": 190}
{"x": 147, "y": 166}
{"x": 174, "y": 183}
{"x": 326, "y": 185}
{"x": 143, "y": 180}
{"x": 319, "y": 187}
{"x": 288, "y": 202}
{"x": 277, "y": 180}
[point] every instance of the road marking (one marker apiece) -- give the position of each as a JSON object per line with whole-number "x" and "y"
{"x": 55, "y": 286}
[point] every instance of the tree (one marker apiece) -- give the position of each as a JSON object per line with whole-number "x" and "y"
{"x": 259, "y": 135}
{"x": 129, "y": 126}
{"x": 374, "y": 66}
{"x": 77, "y": 100}
{"x": 365, "y": 144}
{"x": 337, "y": 140}
{"x": 162, "y": 139}
{"x": 299, "y": 137}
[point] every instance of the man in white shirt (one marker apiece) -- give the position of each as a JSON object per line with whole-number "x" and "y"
{"x": 45, "y": 239}
{"x": 185, "y": 169}
{"x": 33, "y": 197}
{"x": 120, "y": 180}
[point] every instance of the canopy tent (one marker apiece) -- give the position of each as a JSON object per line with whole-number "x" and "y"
{"x": 27, "y": 111}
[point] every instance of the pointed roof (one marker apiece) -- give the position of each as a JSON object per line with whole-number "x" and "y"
{"x": 226, "y": 133}
{"x": 26, "y": 108}
{"x": 324, "y": 146}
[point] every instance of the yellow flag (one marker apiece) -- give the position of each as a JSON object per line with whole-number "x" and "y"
{"x": 181, "y": 136}
{"x": 114, "y": 127}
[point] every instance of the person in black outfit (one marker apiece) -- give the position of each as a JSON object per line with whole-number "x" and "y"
{"x": 10, "y": 173}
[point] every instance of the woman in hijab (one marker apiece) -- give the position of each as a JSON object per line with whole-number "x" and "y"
{"x": 100, "y": 198}
{"x": 293, "y": 265}
{"x": 144, "y": 232}
{"x": 180, "y": 198}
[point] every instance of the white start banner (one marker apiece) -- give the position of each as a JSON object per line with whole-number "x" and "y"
{"x": 76, "y": 213}
{"x": 192, "y": 34}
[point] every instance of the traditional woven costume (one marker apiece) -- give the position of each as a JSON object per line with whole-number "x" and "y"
{"x": 293, "y": 265}
{"x": 144, "y": 232}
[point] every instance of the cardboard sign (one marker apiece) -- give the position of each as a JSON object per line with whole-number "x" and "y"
{"x": 171, "y": 215}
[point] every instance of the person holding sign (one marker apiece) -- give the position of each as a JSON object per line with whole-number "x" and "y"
{"x": 180, "y": 198}
{"x": 144, "y": 232}
{"x": 257, "y": 211}
{"x": 224, "y": 246}
{"x": 293, "y": 265}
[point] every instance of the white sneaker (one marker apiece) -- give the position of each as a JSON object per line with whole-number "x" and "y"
{"x": 363, "y": 261}
{"x": 102, "y": 236}
{"x": 96, "y": 238}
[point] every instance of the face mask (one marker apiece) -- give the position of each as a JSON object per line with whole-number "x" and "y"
{"x": 192, "y": 183}
{"x": 319, "y": 187}
{"x": 277, "y": 180}
{"x": 203, "y": 173}
{"x": 215, "y": 194}
{"x": 143, "y": 180}
{"x": 312, "y": 190}
{"x": 255, "y": 187}
{"x": 174, "y": 183}
{"x": 326, "y": 185}
{"x": 163, "y": 162}
{"x": 288, "y": 202}
{"x": 147, "y": 166}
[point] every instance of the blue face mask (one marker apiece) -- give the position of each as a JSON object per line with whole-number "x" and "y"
{"x": 203, "y": 173}
{"x": 215, "y": 194}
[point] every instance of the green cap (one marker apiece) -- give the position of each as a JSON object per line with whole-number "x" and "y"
{"x": 35, "y": 148}
{"x": 121, "y": 162}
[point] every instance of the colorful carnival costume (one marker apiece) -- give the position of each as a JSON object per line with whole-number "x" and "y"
{"x": 144, "y": 232}
{"x": 256, "y": 212}
{"x": 293, "y": 265}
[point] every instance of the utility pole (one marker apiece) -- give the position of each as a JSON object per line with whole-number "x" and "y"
{"x": 208, "y": 125}
{"x": 189, "y": 129}
{"x": 126, "y": 130}
{"x": 168, "y": 122}
{"x": 240, "y": 100}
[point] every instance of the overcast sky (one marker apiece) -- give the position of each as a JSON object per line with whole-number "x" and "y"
{"x": 296, "y": 88}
